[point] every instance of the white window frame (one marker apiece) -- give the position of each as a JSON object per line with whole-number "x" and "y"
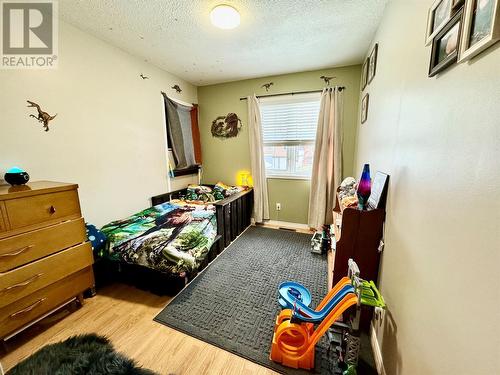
{"x": 290, "y": 157}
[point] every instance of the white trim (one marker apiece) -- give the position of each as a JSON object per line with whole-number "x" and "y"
{"x": 377, "y": 353}
{"x": 286, "y": 224}
{"x": 287, "y": 177}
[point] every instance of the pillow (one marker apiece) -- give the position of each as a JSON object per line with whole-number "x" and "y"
{"x": 96, "y": 237}
{"x": 200, "y": 188}
{"x": 199, "y": 193}
{"x": 227, "y": 190}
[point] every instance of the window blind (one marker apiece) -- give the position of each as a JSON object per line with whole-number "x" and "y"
{"x": 289, "y": 119}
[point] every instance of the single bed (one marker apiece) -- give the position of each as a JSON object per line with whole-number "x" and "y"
{"x": 163, "y": 247}
{"x": 172, "y": 238}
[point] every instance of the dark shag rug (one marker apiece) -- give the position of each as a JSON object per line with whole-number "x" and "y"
{"x": 78, "y": 355}
{"x": 233, "y": 303}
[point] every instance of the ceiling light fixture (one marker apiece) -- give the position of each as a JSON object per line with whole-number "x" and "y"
{"x": 225, "y": 17}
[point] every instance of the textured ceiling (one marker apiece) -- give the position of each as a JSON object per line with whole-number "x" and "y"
{"x": 275, "y": 36}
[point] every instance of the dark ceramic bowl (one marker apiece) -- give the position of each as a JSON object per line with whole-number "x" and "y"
{"x": 18, "y": 178}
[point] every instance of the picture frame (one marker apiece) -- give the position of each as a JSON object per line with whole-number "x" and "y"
{"x": 456, "y": 4}
{"x": 378, "y": 196}
{"x": 364, "y": 74}
{"x": 372, "y": 65}
{"x": 445, "y": 45}
{"x": 364, "y": 108}
{"x": 478, "y": 36}
{"x": 438, "y": 16}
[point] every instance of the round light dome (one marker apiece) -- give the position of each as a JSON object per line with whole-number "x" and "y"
{"x": 225, "y": 17}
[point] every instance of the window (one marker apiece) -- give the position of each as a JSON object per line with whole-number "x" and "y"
{"x": 289, "y": 131}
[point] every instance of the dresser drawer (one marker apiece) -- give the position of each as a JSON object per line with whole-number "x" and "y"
{"x": 42, "y": 209}
{"x": 16, "y": 315}
{"x": 25, "y": 280}
{"x": 24, "y": 248}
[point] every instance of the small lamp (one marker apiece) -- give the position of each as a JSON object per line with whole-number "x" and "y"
{"x": 364, "y": 187}
{"x": 244, "y": 178}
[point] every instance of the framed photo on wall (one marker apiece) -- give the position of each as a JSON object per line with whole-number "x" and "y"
{"x": 439, "y": 14}
{"x": 481, "y": 27}
{"x": 446, "y": 45}
{"x": 364, "y": 108}
{"x": 364, "y": 74}
{"x": 372, "y": 66}
{"x": 456, "y": 4}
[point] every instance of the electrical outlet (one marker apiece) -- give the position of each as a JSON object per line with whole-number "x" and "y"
{"x": 278, "y": 206}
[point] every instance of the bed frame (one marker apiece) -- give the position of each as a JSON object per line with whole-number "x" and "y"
{"x": 233, "y": 217}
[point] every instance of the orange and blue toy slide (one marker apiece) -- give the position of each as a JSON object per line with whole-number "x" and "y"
{"x": 296, "y": 297}
{"x": 295, "y": 337}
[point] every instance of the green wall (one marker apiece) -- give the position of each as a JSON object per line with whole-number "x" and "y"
{"x": 224, "y": 158}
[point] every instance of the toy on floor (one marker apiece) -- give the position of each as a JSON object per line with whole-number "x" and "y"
{"x": 295, "y": 335}
{"x": 300, "y": 305}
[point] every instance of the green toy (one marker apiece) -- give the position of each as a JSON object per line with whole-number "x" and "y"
{"x": 370, "y": 296}
{"x": 351, "y": 370}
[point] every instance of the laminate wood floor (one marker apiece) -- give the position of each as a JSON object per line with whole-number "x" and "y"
{"x": 125, "y": 315}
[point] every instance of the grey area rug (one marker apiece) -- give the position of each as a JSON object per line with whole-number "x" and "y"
{"x": 233, "y": 303}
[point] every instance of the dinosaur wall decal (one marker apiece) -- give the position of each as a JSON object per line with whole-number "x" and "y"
{"x": 327, "y": 79}
{"x": 43, "y": 117}
{"x": 267, "y": 86}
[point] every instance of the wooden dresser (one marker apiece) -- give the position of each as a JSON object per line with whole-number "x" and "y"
{"x": 358, "y": 234}
{"x": 45, "y": 261}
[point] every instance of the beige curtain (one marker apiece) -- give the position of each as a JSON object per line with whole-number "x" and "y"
{"x": 327, "y": 165}
{"x": 261, "y": 200}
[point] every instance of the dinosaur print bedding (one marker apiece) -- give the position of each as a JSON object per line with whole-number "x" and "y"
{"x": 171, "y": 237}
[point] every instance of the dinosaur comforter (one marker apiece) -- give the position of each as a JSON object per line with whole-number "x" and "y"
{"x": 170, "y": 237}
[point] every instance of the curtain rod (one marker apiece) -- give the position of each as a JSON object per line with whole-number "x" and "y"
{"x": 340, "y": 88}
{"x": 178, "y": 101}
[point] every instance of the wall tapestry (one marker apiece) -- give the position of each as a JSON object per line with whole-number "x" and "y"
{"x": 183, "y": 133}
{"x": 226, "y": 126}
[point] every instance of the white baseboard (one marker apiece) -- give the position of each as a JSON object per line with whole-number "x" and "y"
{"x": 288, "y": 225}
{"x": 377, "y": 353}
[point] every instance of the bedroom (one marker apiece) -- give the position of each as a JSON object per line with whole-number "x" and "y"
{"x": 430, "y": 124}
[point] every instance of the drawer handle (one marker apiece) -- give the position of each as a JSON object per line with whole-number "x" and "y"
{"x": 27, "y": 309}
{"x": 23, "y": 283}
{"x": 52, "y": 210}
{"x": 17, "y": 252}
